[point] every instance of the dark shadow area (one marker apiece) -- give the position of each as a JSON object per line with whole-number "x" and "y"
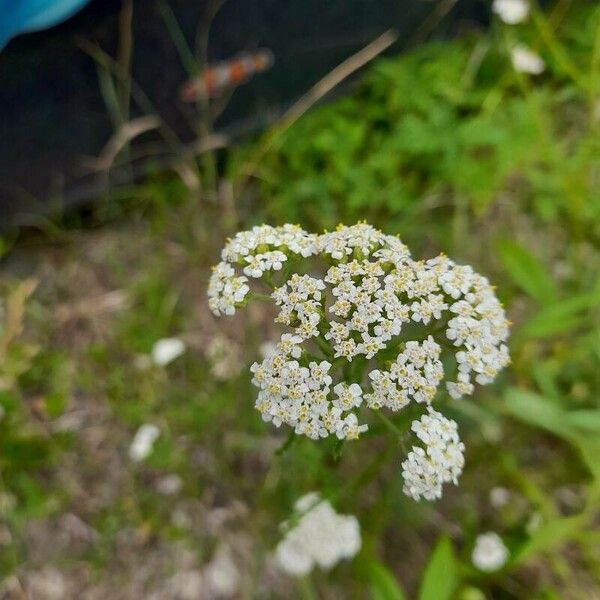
{"x": 52, "y": 114}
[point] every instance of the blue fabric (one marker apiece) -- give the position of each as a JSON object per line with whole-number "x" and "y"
{"x": 20, "y": 16}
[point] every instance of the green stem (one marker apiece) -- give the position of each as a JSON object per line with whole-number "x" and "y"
{"x": 178, "y": 38}
{"x": 268, "y": 279}
{"x": 324, "y": 346}
{"x": 307, "y": 588}
{"x": 368, "y": 473}
{"x": 288, "y": 442}
{"x": 260, "y": 296}
{"x": 553, "y": 151}
{"x": 594, "y": 74}
{"x": 556, "y": 49}
{"x": 388, "y": 423}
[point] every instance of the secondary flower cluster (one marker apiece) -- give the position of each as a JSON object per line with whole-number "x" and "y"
{"x": 320, "y": 538}
{"x": 425, "y": 471}
{"x": 368, "y": 326}
{"x": 414, "y": 374}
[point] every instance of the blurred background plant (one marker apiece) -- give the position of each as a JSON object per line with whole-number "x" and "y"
{"x": 449, "y": 145}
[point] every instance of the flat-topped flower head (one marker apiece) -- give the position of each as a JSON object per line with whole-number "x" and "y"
{"x": 365, "y": 328}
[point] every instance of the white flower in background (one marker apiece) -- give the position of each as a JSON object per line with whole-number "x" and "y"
{"x": 442, "y": 461}
{"x": 224, "y": 358}
{"x": 499, "y": 497}
{"x": 321, "y": 537}
{"x": 221, "y": 575}
{"x": 47, "y": 583}
{"x": 489, "y": 553}
{"x": 525, "y": 60}
{"x": 167, "y": 350}
{"x": 511, "y": 12}
{"x": 183, "y": 585}
{"x": 143, "y": 441}
{"x": 169, "y": 485}
{"x": 372, "y": 328}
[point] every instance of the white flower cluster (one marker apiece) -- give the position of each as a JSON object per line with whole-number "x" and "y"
{"x": 320, "y": 538}
{"x": 511, "y": 12}
{"x": 263, "y": 238}
{"x": 300, "y": 301}
{"x": 298, "y": 395}
{"x": 259, "y": 250}
{"x": 360, "y": 239}
{"x": 415, "y": 374}
{"x": 489, "y": 553}
{"x": 526, "y": 60}
{"x": 226, "y": 290}
{"x": 365, "y": 307}
{"x": 426, "y": 470}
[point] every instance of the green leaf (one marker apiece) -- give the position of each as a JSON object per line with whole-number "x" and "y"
{"x": 383, "y": 583}
{"x": 558, "y": 317}
{"x": 527, "y": 272}
{"x": 590, "y": 451}
{"x": 538, "y": 411}
{"x": 585, "y": 420}
{"x": 544, "y": 413}
{"x": 55, "y": 404}
{"x": 441, "y": 574}
{"x": 551, "y": 534}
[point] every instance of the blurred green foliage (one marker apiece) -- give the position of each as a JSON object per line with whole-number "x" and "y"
{"x": 452, "y": 124}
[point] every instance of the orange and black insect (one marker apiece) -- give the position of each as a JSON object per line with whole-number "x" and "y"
{"x": 222, "y": 76}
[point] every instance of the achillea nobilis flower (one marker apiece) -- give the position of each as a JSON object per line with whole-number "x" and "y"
{"x": 368, "y": 327}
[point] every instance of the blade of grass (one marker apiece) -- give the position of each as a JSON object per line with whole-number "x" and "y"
{"x": 316, "y": 93}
